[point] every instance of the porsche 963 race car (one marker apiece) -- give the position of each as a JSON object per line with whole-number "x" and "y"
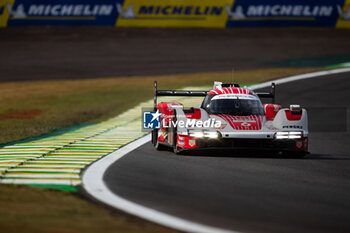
{"x": 230, "y": 117}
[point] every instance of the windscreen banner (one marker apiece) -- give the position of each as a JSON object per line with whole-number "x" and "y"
{"x": 176, "y": 13}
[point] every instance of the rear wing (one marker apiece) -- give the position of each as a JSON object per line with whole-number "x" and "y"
{"x": 175, "y": 93}
{"x": 157, "y": 93}
{"x": 270, "y": 94}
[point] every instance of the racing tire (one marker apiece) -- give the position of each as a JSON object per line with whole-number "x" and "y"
{"x": 174, "y": 137}
{"x": 155, "y": 141}
{"x": 175, "y": 147}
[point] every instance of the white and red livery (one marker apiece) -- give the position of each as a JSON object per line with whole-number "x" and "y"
{"x": 231, "y": 117}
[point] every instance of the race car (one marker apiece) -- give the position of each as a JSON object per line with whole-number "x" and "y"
{"x": 231, "y": 118}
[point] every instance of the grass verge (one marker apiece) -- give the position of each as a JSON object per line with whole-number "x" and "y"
{"x": 28, "y": 209}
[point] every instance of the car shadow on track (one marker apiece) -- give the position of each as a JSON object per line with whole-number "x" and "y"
{"x": 263, "y": 154}
{"x": 257, "y": 154}
{"x": 326, "y": 157}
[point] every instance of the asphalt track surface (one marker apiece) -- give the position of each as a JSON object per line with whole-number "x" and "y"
{"x": 254, "y": 193}
{"x": 43, "y": 53}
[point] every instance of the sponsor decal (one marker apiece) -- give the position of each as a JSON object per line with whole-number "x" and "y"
{"x": 284, "y": 13}
{"x": 182, "y": 143}
{"x": 271, "y": 128}
{"x": 281, "y": 11}
{"x": 151, "y": 119}
{"x": 253, "y": 122}
{"x": 192, "y": 143}
{"x": 180, "y": 13}
{"x": 299, "y": 144}
{"x": 246, "y": 124}
{"x": 222, "y": 126}
{"x": 292, "y": 126}
{"x": 62, "y": 12}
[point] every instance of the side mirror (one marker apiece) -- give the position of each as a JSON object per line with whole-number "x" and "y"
{"x": 271, "y": 110}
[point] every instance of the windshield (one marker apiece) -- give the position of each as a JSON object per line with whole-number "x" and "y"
{"x": 236, "y": 107}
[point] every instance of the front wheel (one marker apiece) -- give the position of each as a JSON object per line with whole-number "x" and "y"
{"x": 175, "y": 147}
{"x": 155, "y": 141}
{"x": 174, "y": 137}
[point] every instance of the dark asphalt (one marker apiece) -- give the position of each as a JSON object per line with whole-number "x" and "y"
{"x": 254, "y": 194}
{"x": 43, "y": 53}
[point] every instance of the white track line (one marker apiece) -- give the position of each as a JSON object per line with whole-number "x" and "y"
{"x": 45, "y": 170}
{"x": 299, "y": 77}
{"x": 55, "y": 162}
{"x": 75, "y": 176}
{"x": 94, "y": 185}
{"x": 53, "y": 166}
{"x": 92, "y": 178}
{"x": 40, "y": 181}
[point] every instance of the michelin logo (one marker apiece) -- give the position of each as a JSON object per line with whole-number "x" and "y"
{"x": 280, "y": 10}
{"x": 129, "y": 13}
{"x": 237, "y": 14}
{"x": 60, "y": 10}
{"x": 18, "y": 13}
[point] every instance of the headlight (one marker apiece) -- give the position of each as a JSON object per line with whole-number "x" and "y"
{"x": 211, "y": 134}
{"x": 289, "y": 135}
{"x": 197, "y": 134}
{"x": 201, "y": 134}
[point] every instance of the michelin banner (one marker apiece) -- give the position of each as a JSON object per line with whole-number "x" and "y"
{"x": 176, "y": 13}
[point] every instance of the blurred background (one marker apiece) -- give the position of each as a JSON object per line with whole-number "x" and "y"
{"x": 43, "y": 40}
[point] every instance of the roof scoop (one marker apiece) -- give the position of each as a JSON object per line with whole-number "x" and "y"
{"x": 294, "y": 107}
{"x": 221, "y": 85}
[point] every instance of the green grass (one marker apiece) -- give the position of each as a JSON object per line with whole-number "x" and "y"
{"x": 66, "y": 103}
{"x": 28, "y": 209}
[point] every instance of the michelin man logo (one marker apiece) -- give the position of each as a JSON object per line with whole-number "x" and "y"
{"x": 129, "y": 13}
{"x": 236, "y": 14}
{"x": 344, "y": 15}
{"x": 18, "y": 13}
